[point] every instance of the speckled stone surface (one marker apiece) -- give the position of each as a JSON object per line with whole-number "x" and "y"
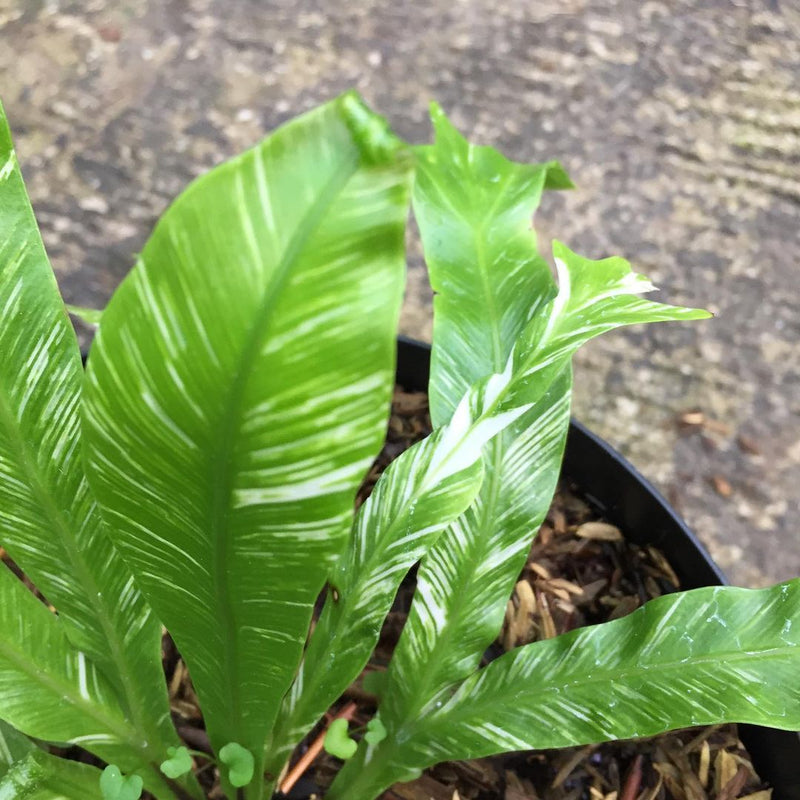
{"x": 679, "y": 122}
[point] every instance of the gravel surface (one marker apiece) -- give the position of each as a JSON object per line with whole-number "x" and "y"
{"x": 679, "y": 122}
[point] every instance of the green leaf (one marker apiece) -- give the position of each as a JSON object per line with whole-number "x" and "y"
{"x": 376, "y": 731}
{"x": 703, "y": 657}
{"x": 695, "y": 658}
{"x": 474, "y": 210}
{"x": 420, "y": 493}
{"x": 13, "y": 746}
{"x": 53, "y": 692}
{"x": 178, "y": 763}
{"x": 466, "y": 578}
{"x": 240, "y": 763}
{"x": 90, "y": 316}
{"x": 116, "y": 786}
{"x": 41, "y": 776}
{"x": 238, "y": 390}
{"x": 338, "y": 742}
{"x": 49, "y": 522}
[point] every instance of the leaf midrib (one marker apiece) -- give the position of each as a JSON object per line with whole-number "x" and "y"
{"x": 222, "y": 476}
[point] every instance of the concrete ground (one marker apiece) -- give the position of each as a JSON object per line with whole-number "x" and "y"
{"x": 679, "y": 122}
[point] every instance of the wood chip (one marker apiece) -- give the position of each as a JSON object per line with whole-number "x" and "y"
{"x": 548, "y": 626}
{"x": 658, "y": 558}
{"x": 655, "y": 791}
{"x": 633, "y": 780}
{"x": 726, "y": 768}
{"x": 721, "y": 485}
{"x": 568, "y": 767}
{"x": 599, "y": 531}
{"x": 731, "y": 789}
{"x": 717, "y": 426}
{"x": 568, "y": 586}
{"x": 705, "y": 763}
{"x": 748, "y": 445}
{"x": 539, "y": 569}
{"x": 625, "y": 606}
{"x": 692, "y": 419}
{"x": 672, "y": 779}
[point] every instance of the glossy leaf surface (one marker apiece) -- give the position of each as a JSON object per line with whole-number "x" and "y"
{"x": 238, "y": 390}
{"x": 51, "y": 691}
{"x": 14, "y": 746}
{"x": 41, "y": 776}
{"x": 474, "y": 209}
{"x": 703, "y": 657}
{"x": 49, "y": 522}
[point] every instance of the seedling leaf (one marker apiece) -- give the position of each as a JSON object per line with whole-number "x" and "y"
{"x": 240, "y": 764}
{"x": 337, "y": 741}
{"x": 376, "y": 731}
{"x": 116, "y": 786}
{"x": 178, "y": 763}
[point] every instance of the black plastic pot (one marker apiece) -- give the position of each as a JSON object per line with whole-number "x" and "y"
{"x": 631, "y": 503}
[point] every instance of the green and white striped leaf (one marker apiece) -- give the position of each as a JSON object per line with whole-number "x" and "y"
{"x": 49, "y": 690}
{"x": 14, "y": 746}
{"x": 466, "y": 578}
{"x": 420, "y": 493}
{"x": 49, "y": 522}
{"x": 703, "y": 657}
{"x": 238, "y": 390}
{"x": 474, "y": 210}
{"x": 593, "y": 297}
{"x": 41, "y": 776}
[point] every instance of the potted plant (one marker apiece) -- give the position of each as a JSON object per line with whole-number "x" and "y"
{"x": 201, "y": 475}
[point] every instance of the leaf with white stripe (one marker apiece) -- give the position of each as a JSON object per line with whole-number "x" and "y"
{"x": 50, "y": 691}
{"x": 49, "y": 521}
{"x": 593, "y": 297}
{"x": 474, "y": 210}
{"x": 420, "y": 493}
{"x": 41, "y": 776}
{"x": 238, "y": 390}
{"x": 703, "y": 657}
{"x": 465, "y": 581}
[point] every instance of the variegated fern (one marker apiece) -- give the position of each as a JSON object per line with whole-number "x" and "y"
{"x": 202, "y": 475}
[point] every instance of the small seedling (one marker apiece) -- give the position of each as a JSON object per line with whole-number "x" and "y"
{"x": 116, "y": 786}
